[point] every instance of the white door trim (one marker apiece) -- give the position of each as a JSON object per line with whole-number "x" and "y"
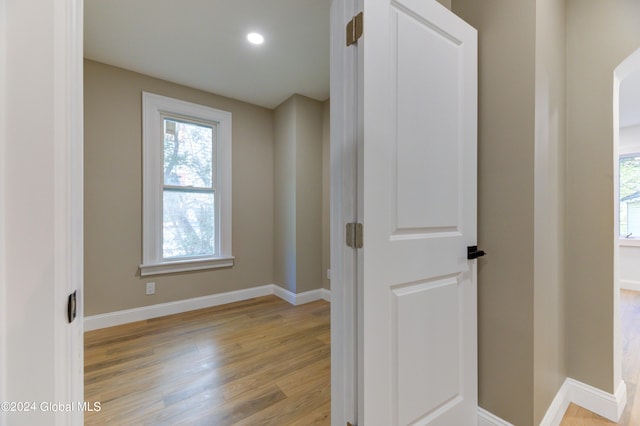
{"x": 41, "y": 69}
{"x": 343, "y": 210}
{"x": 69, "y": 186}
{"x": 3, "y": 298}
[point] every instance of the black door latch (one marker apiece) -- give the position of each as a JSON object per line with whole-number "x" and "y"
{"x": 71, "y": 307}
{"x": 474, "y": 253}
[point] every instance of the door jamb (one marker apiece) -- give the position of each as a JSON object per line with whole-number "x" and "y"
{"x": 343, "y": 121}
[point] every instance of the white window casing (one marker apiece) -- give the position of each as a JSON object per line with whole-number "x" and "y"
{"x": 154, "y": 108}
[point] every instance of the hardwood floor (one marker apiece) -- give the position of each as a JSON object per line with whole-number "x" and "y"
{"x": 630, "y": 321}
{"x": 256, "y": 362}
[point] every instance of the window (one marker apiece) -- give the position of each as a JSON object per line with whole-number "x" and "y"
{"x": 186, "y": 186}
{"x": 630, "y": 196}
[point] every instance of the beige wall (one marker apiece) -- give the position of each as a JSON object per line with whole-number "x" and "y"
{"x": 284, "y": 218}
{"x": 545, "y": 150}
{"x": 298, "y": 249}
{"x": 309, "y": 193}
{"x": 600, "y": 35}
{"x": 549, "y": 368}
{"x": 506, "y": 148}
{"x": 113, "y": 189}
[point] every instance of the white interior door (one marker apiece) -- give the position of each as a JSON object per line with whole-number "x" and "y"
{"x": 417, "y": 78}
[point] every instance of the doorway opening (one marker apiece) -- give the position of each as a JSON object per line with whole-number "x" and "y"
{"x": 627, "y": 224}
{"x": 119, "y": 84}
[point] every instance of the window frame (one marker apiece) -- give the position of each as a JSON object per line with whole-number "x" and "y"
{"x": 154, "y": 109}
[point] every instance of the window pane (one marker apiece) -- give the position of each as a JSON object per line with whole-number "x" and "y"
{"x": 633, "y": 219}
{"x": 629, "y": 195}
{"x": 188, "y": 154}
{"x": 188, "y": 224}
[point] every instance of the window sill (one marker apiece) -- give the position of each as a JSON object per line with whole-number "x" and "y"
{"x": 629, "y": 242}
{"x": 185, "y": 266}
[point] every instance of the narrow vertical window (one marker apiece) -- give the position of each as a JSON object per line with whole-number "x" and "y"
{"x": 186, "y": 186}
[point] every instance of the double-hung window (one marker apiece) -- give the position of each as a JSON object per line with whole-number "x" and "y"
{"x": 186, "y": 186}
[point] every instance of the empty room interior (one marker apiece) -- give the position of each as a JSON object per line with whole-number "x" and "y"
{"x": 222, "y": 320}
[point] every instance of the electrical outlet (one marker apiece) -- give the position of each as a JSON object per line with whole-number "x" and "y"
{"x": 151, "y": 288}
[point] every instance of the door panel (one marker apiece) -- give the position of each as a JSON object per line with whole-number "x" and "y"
{"x": 417, "y": 189}
{"x": 426, "y": 312}
{"x": 427, "y": 124}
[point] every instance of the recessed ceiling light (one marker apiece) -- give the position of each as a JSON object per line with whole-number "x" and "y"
{"x": 255, "y": 38}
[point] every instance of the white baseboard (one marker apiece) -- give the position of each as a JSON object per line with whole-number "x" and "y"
{"x": 630, "y": 285}
{"x": 609, "y": 406}
{"x": 111, "y": 319}
{"x": 302, "y": 298}
{"x": 572, "y": 391}
{"x": 486, "y": 418}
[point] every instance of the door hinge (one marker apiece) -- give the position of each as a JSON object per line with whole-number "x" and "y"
{"x": 354, "y": 29}
{"x": 354, "y": 235}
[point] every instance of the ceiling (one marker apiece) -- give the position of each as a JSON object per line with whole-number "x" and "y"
{"x": 629, "y": 114}
{"x": 202, "y": 44}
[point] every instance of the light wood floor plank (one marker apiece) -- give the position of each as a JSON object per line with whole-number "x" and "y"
{"x": 259, "y": 361}
{"x": 319, "y": 416}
